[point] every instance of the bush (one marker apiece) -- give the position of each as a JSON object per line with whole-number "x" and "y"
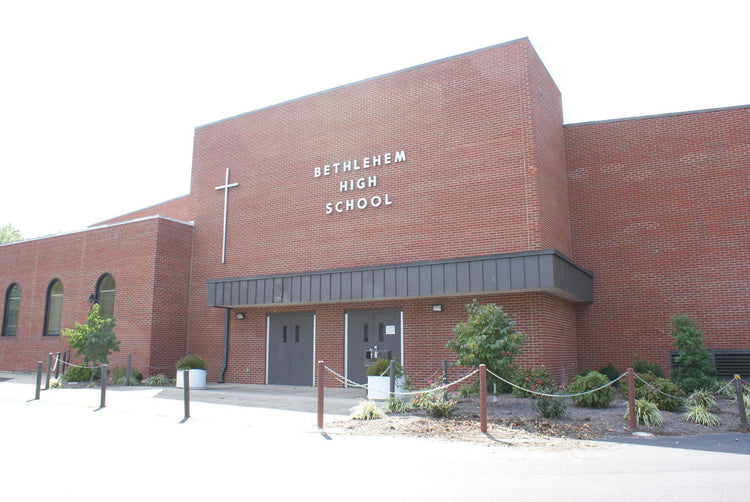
{"x": 701, "y": 398}
{"x": 119, "y": 375}
{"x": 535, "y": 379}
{"x": 160, "y": 380}
{"x": 77, "y": 374}
{"x": 701, "y": 415}
{"x": 435, "y": 403}
{"x": 381, "y": 368}
{"x": 643, "y": 367}
{"x": 550, "y": 407}
{"x": 593, "y": 380}
{"x": 191, "y": 362}
{"x": 366, "y": 410}
{"x": 398, "y": 405}
{"x": 646, "y": 413}
{"x": 610, "y": 372}
{"x": 469, "y": 390}
{"x": 656, "y": 391}
{"x": 695, "y": 368}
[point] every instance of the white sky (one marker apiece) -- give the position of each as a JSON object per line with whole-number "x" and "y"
{"x": 99, "y": 99}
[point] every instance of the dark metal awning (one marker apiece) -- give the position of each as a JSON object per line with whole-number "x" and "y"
{"x": 545, "y": 270}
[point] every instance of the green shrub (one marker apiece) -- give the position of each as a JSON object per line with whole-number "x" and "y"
{"x": 398, "y": 405}
{"x": 660, "y": 391}
{"x": 470, "y": 390}
{"x": 646, "y": 413}
{"x": 119, "y": 376}
{"x": 160, "y": 380}
{"x": 77, "y": 374}
{"x": 381, "y": 367}
{"x": 435, "y": 403}
{"x": 550, "y": 407}
{"x": 643, "y": 367}
{"x": 191, "y": 362}
{"x": 534, "y": 379}
{"x": 701, "y": 398}
{"x": 610, "y": 372}
{"x": 701, "y": 415}
{"x": 56, "y": 383}
{"x": 598, "y": 399}
{"x": 695, "y": 368}
{"x": 366, "y": 410}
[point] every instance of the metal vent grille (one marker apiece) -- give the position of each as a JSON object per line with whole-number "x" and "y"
{"x": 728, "y": 362}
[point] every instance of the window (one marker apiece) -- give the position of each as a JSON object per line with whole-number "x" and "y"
{"x": 10, "y": 318}
{"x": 105, "y": 295}
{"x": 53, "y": 312}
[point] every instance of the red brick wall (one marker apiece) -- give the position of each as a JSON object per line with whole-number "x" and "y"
{"x": 660, "y": 212}
{"x": 127, "y": 252}
{"x": 180, "y": 209}
{"x": 548, "y": 321}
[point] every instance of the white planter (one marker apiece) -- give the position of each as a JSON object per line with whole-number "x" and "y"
{"x": 379, "y": 387}
{"x": 197, "y": 379}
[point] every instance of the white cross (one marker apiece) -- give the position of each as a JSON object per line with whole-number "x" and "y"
{"x": 226, "y": 186}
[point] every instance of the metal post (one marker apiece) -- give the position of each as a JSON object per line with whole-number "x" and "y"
{"x": 38, "y": 379}
{"x": 631, "y": 400}
{"x": 445, "y": 372}
{"x": 392, "y": 375}
{"x": 49, "y": 370}
{"x": 321, "y": 392}
{"x": 186, "y": 394}
{"x": 483, "y": 397}
{"x": 740, "y": 400}
{"x": 103, "y": 401}
{"x": 57, "y": 365}
{"x": 127, "y": 371}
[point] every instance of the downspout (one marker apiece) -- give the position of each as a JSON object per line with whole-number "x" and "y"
{"x": 226, "y": 346}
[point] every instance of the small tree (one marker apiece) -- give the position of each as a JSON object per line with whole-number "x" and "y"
{"x": 9, "y": 234}
{"x": 695, "y": 369}
{"x": 94, "y": 340}
{"x": 487, "y": 337}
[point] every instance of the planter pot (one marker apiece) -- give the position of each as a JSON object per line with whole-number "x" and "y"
{"x": 379, "y": 387}
{"x": 197, "y": 379}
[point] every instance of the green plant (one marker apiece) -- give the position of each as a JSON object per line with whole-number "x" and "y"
{"x": 78, "y": 374}
{"x": 119, "y": 376}
{"x": 470, "y": 390}
{"x": 532, "y": 379}
{"x": 381, "y": 367}
{"x": 191, "y": 362}
{"x": 700, "y": 414}
{"x": 398, "y": 405}
{"x": 366, "y": 410}
{"x": 695, "y": 368}
{"x": 488, "y": 337}
{"x": 660, "y": 391}
{"x": 94, "y": 340}
{"x": 56, "y": 383}
{"x": 643, "y": 367}
{"x": 594, "y": 380}
{"x": 435, "y": 402}
{"x": 160, "y": 380}
{"x": 702, "y": 398}
{"x": 548, "y": 406}
{"x": 610, "y": 372}
{"x": 646, "y": 413}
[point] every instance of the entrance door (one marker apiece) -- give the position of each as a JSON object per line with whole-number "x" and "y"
{"x": 291, "y": 342}
{"x": 366, "y": 330}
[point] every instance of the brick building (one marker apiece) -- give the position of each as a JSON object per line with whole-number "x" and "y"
{"x": 371, "y": 214}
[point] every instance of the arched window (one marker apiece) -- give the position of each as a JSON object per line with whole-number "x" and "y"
{"x": 105, "y": 295}
{"x": 53, "y": 312}
{"x": 10, "y": 318}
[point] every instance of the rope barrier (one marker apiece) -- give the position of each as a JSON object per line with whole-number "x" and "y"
{"x": 342, "y": 379}
{"x": 558, "y": 395}
{"x": 435, "y": 389}
{"x": 654, "y": 388}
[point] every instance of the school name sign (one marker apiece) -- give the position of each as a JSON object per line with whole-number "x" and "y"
{"x": 358, "y": 183}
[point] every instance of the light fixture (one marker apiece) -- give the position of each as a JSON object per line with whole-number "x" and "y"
{"x": 437, "y": 307}
{"x": 240, "y": 315}
{"x": 92, "y": 299}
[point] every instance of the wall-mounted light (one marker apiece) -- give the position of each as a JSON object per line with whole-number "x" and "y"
{"x": 92, "y": 299}
{"x": 240, "y": 315}
{"x": 437, "y": 307}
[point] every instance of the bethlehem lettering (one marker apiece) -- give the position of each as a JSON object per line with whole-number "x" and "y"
{"x": 358, "y": 183}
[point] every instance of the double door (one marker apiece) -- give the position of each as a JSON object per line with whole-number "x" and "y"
{"x": 370, "y": 330}
{"x": 291, "y": 342}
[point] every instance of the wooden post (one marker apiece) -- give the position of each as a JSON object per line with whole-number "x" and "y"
{"x": 186, "y": 392}
{"x": 740, "y": 400}
{"x": 103, "y": 401}
{"x": 631, "y": 399}
{"x": 483, "y": 397}
{"x": 321, "y": 392}
{"x": 38, "y": 379}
